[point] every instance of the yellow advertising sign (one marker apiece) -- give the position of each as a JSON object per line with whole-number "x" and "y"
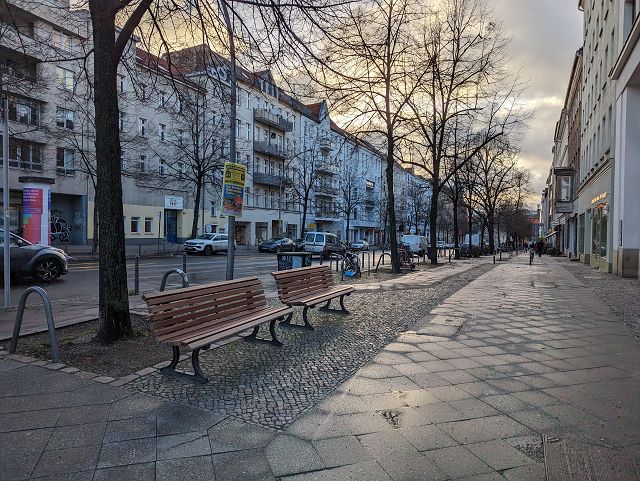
{"x": 233, "y": 188}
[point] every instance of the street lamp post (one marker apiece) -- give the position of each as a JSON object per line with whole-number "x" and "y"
{"x": 5, "y": 201}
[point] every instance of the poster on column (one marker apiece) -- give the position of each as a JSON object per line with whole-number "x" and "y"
{"x": 233, "y": 189}
{"x": 36, "y": 204}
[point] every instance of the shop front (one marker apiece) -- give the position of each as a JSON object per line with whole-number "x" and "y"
{"x": 594, "y": 228}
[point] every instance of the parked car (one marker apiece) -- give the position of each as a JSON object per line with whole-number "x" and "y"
{"x": 417, "y": 243}
{"x": 465, "y": 250}
{"x": 277, "y": 244}
{"x": 440, "y": 245}
{"x": 299, "y": 244}
{"x": 207, "y": 244}
{"x": 323, "y": 243}
{"x": 361, "y": 245}
{"x": 45, "y": 263}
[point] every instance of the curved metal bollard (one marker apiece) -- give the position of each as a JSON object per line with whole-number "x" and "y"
{"x": 55, "y": 355}
{"x": 185, "y": 279}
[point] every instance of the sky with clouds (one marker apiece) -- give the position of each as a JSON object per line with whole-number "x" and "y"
{"x": 545, "y": 36}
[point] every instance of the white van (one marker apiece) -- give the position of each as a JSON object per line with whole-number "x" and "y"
{"x": 322, "y": 243}
{"x": 417, "y": 243}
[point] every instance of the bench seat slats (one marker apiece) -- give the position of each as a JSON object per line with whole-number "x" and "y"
{"x": 235, "y": 328}
{"x": 320, "y": 297}
{"x": 155, "y": 298}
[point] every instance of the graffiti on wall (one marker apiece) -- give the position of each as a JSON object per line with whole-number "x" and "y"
{"x": 60, "y": 228}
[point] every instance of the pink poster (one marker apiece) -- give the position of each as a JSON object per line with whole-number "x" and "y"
{"x": 36, "y": 200}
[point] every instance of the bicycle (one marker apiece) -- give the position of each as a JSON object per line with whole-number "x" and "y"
{"x": 351, "y": 264}
{"x": 406, "y": 257}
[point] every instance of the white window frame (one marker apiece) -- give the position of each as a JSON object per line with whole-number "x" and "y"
{"x": 142, "y": 126}
{"x": 65, "y": 78}
{"x": 135, "y": 220}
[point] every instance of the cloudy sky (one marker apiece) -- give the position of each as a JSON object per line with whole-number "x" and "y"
{"x": 546, "y": 35}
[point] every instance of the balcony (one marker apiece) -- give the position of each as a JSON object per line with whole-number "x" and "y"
{"x": 274, "y": 120}
{"x": 268, "y": 179}
{"x": 327, "y": 168}
{"x": 273, "y": 150}
{"x": 325, "y": 190}
{"x": 325, "y": 145}
{"x": 325, "y": 213}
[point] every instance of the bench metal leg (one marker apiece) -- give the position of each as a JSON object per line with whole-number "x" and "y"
{"x": 171, "y": 367}
{"x": 287, "y": 321}
{"x": 307, "y": 324}
{"x": 326, "y": 307}
{"x": 344, "y": 309}
{"x": 272, "y": 329}
{"x": 198, "y": 375}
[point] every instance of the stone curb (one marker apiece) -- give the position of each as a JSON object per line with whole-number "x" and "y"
{"x": 108, "y": 380}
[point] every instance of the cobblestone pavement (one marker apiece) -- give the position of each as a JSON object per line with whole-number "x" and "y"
{"x": 538, "y": 353}
{"x": 271, "y": 386}
{"x": 620, "y": 294}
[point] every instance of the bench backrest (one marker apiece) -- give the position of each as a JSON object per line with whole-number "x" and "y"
{"x": 218, "y": 302}
{"x": 295, "y": 283}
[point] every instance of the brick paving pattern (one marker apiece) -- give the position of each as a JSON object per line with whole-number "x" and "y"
{"x": 537, "y": 354}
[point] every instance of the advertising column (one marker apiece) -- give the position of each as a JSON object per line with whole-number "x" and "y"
{"x": 36, "y": 208}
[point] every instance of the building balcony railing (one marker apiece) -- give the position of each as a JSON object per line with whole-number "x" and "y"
{"x": 325, "y": 144}
{"x": 326, "y": 189}
{"x": 274, "y": 150}
{"x": 274, "y": 120}
{"x": 34, "y": 165}
{"x": 268, "y": 179}
{"x": 327, "y": 168}
{"x": 326, "y": 213}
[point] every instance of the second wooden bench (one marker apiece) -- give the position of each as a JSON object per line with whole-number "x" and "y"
{"x": 308, "y": 287}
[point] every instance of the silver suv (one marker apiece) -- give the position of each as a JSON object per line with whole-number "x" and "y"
{"x": 207, "y": 244}
{"x": 42, "y": 262}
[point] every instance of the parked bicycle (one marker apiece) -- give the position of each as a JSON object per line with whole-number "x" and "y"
{"x": 351, "y": 264}
{"x": 406, "y": 257}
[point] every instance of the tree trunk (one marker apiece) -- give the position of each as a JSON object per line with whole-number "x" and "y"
{"x": 470, "y": 214}
{"x": 96, "y": 225}
{"x": 433, "y": 226}
{"x": 456, "y": 237}
{"x": 391, "y": 210}
{"x": 304, "y": 216}
{"x": 492, "y": 234}
{"x": 113, "y": 307}
{"x": 196, "y": 210}
{"x": 346, "y": 234}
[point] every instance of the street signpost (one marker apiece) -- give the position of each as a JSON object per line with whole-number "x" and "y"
{"x": 232, "y": 202}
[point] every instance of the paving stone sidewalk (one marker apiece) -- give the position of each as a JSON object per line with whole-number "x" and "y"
{"x": 538, "y": 353}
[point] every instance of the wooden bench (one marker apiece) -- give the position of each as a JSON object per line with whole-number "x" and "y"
{"x": 196, "y": 317}
{"x": 308, "y": 287}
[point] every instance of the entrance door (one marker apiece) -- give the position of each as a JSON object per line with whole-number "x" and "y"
{"x": 171, "y": 226}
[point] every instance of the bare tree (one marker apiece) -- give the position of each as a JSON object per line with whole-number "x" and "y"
{"x": 463, "y": 52}
{"x": 372, "y": 77}
{"x": 352, "y": 194}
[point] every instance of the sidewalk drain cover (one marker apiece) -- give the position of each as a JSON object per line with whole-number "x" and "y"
{"x": 567, "y": 460}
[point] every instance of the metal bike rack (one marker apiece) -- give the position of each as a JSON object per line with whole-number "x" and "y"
{"x": 185, "y": 279}
{"x": 55, "y": 354}
{"x": 381, "y": 258}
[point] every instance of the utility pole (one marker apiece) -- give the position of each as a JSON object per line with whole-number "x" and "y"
{"x": 231, "y": 226}
{"x": 5, "y": 199}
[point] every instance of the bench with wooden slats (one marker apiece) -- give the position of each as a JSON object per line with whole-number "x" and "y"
{"x": 308, "y": 287}
{"x": 196, "y": 317}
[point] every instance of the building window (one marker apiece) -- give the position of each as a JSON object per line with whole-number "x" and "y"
{"x": 142, "y": 127}
{"x": 65, "y": 78}
{"x": 181, "y": 137}
{"x": 248, "y": 131}
{"x": 62, "y": 41}
{"x": 163, "y": 99}
{"x": 212, "y": 208}
{"x": 142, "y": 163}
{"x": 122, "y": 118}
{"x": 135, "y": 225}
{"x": 163, "y": 131}
{"x": 24, "y": 154}
{"x": 122, "y": 83}
{"x": 162, "y": 167}
{"x": 25, "y": 111}
{"x": 123, "y": 159}
{"x": 143, "y": 92}
{"x": 64, "y": 118}
{"x": 65, "y": 160}
{"x": 148, "y": 225}
{"x": 238, "y": 123}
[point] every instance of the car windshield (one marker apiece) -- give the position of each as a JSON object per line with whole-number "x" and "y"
{"x": 205, "y": 236}
{"x": 14, "y": 239}
{"x": 274, "y": 239}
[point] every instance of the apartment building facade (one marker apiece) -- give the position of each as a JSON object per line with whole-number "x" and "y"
{"x": 174, "y": 117}
{"x": 626, "y": 75}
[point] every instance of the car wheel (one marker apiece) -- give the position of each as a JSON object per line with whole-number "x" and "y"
{"x": 208, "y": 251}
{"x": 47, "y": 270}
{"x": 278, "y": 249}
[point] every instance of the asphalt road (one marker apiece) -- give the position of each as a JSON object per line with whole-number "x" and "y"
{"x": 82, "y": 280}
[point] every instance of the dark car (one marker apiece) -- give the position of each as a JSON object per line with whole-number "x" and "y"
{"x": 299, "y": 245}
{"x": 42, "y": 262}
{"x": 277, "y": 244}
